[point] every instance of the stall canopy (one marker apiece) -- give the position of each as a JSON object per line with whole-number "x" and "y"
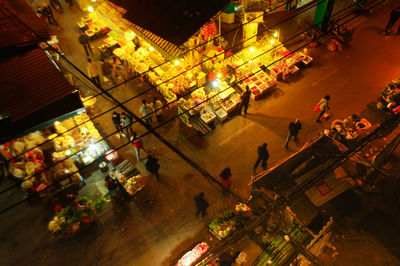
{"x": 173, "y": 20}
{"x": 112, "y": 15}
{"x": 13, "y": 28}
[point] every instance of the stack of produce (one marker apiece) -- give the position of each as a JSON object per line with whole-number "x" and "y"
{"x": 80, "y": 211}
{"x": 222, "y": 226}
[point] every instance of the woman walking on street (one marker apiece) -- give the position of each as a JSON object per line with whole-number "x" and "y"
{"x": 138, "y": 144}
{"x": 323, "y": 107}
{"x": 226, "y": 178}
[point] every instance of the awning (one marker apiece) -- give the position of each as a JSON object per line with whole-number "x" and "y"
{"x": 33, "y": 90}
{"x": 111, "y": 15}
{"x": 13, "y": 33}
{"x": 173, "y": 20}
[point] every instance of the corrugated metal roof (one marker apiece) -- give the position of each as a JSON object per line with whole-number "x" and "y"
{"x": 173, "y": 20}
{"x": 15, "y": 33}
{"x": 30, "y": 82}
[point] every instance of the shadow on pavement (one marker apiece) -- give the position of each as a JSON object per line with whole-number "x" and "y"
{"x": 386, "y": 228}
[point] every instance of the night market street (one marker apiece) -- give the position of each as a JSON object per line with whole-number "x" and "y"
{"x": 161, "y": 232}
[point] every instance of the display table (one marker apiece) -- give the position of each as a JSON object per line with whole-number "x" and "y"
{"x": 193, "y": 255}
{"x": 128, "y": 176}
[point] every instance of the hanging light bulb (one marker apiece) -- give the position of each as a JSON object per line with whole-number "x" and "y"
{"x": 272, "y": 41}
{"x": 151, "y": 48}
{"x": 90, "y": 9}
{"x": 251, "y": 49}
{"x": 176, "y": 62}
{"x": 276, "y": 34}
{"x": 218, "y": 75}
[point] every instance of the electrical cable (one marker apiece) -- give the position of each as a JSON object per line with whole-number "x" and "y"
{"x": 152, "y": 87}
{"x": 161, "y": 125}
{"x": 151, "y": 131}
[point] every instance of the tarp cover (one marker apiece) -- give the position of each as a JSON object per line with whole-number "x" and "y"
{"x": 174, "y": 20}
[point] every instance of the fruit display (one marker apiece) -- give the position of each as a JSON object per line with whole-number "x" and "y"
{"x": 222, "y": 226}
{"x": 134, "y": 184}
{"x": 191, "y": 256}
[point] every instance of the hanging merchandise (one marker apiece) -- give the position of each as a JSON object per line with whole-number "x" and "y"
{"x": 209, "y": 30}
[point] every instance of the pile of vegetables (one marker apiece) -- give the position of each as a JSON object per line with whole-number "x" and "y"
{"x": 222, "y": 226}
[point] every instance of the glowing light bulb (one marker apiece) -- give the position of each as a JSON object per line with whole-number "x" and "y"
{"x": 93, "y": 0}
{"x": 218, "y": 75}
{"x": 56, "y": 123}
{"x": 272, "y": 41}
{"x": 151, "y": 48}
{"x": 250, "y": 61}
{"x": 67, "y": 152}
{"x": 176, "y": 62}
{"x": 276, "y": 34}
{"x": 215, "y": 83}
{"x": 251, "y": 49}
{"x": 90, "y": 9}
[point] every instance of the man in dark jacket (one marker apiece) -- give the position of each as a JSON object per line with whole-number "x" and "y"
{"x": 294, "y": 128}
{"x": 201, "y": 204}
{"x": 152, "y": 166}
{"x": 48, "y": 13}
{"x": 106, "y": 69}
{"x": 85, "y": 41}
{"x": 245, "y": 100}
{"x": 56, "y": 5}
{"x": 263, "y": 156}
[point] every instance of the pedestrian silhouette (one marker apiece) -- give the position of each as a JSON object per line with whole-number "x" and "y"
{"x": 294, "y": 128}
{"x": 225, "y": 178}
{"x": 263, "y": 156}
{"x": 201, "y": 204}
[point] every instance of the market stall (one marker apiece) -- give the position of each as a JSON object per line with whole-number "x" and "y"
{"x": 206, "y": 81}
{"x": 222, "y": 226}
{"x": 68, "y": 144}
{"x": 389, "y": 98}
{"x": 347, "y": 129}
{"x": 129, "y": 177}
{"x": 190, "y": 257}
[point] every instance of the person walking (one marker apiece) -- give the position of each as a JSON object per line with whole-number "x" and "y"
{"x": 146, "y": 110}
{"x": 40, "y": 14}
{"x": 56, "y": 5}
{"x": 245, "y": 98}
{"x": 263, "y": 156}
{"x": 394, "y": 16}
{"x": 69, "y": 2}
{"x": 294, "y": 128}
{"x": 116, "y": 118}
{"x": 156, "y": 105}
{"x": 323, "y": 106}
{"x": 153, "y": 166}
{"x": 85, "y": 41}
{"x": 201, "y": 204}
{"x": 126, "y": 121}
{"x": 93, "y": 72}
{"x": 48, "y": 13}
{"x": 106, "y": 69}
{"x": 225, "y": 178}
{"x": 118, "y": 68}
{"x": 138, "y": 145}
